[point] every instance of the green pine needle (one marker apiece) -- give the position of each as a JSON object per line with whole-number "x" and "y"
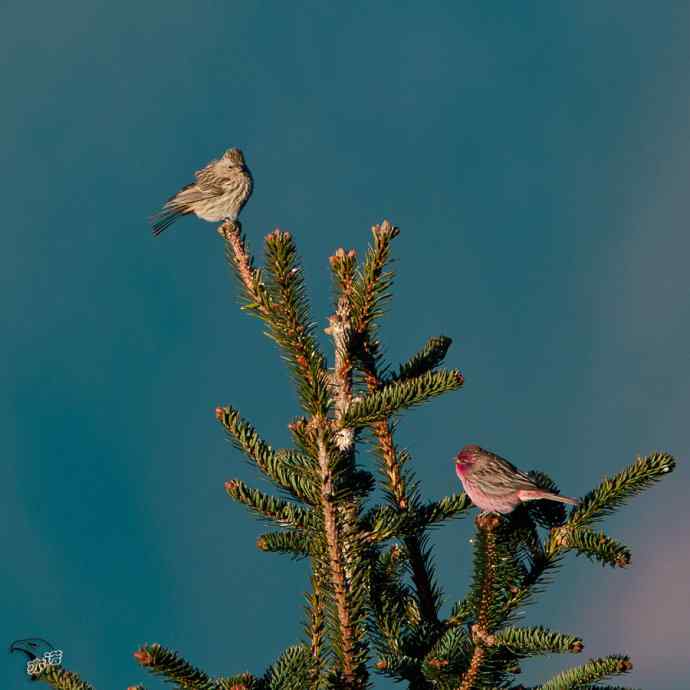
{"x": 447, "y": 508}
{"x": 242, "y": 681}
{"x": 164, "y": 662}
{"x": 291, "y": 671}
{"x": 614, "y": 492}
{"x": 290, "y": 323}
{"x": 591, "y": 672}
{"x": 291, "y": 471}
{"x": 599, "y": 546}
{"x": 292, "y": 542}
{"x": 371, "y": 289}
{"x": 61, "y": 679}
{"x": 275, "y": 509}
{"x": 428, "y": 358}
{"x": 395, "y": 397}
{"x": 525, "y": 642}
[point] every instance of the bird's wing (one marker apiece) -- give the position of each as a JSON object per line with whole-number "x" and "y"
{"x": 186, "y": 189}
{"x": 210, "y": 166}
{"x": 503, "y": 476}
{"x": 191, "y": 193}
{"x": 207, "y": 180}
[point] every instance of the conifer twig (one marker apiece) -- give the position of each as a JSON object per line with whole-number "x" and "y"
{"x": 383, "y": 431}
{"x": 279, "y": 511}
{"x": 290, "y": 472}
{"x": 537, "y": 640}
{"x": 373, "y": 289}
{"x": 340, "y": 519}
{"x": 62, "y": 679}
{"x": 590, "y": 672}
{"x": 170, "y": 664}
{"x": 337, "y": 570}
{"x": 315, "y": 628}
{"x": 340, "y": 330}
{"x": 481, "y": 630}
{"x": 394, "y": 397}
{"x": 242, "y": 261}
{"x": 292, "y": 541}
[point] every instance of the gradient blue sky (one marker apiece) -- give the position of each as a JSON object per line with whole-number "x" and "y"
{"x": 536, "y": 158}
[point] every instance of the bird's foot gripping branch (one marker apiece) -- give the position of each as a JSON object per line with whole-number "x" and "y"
{"x": 374, "y": 605}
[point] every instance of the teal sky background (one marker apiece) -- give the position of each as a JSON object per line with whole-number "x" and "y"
{"x": 536, "y": 158}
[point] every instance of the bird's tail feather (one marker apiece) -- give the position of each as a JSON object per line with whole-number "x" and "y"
{"x": 563, "y": 499}
{"x": 165, "y": 218}
{"x": 537, "y": 495}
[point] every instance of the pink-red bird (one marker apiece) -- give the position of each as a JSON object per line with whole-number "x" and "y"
{"x": 496, "y": 485}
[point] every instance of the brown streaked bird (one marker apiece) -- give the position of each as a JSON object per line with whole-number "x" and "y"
{"x": 221, "y": 190}
{"x": 496, "y": 485}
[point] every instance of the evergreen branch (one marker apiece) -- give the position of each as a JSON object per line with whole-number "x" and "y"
{"x": 340, "y": 329}
{"x": 344, "y": 265}
{"x": 444, "y": 509}
{"x": 316, "y": 628}
{"x": 304, "y": 436}
{"x": 469, "y": 679}
{"x": 599, "y": 546}
{"x": 242, "y": 262}
{"x": 283, "y": 305}
{"x": 612, "y": 493}
{"x": 529, "y": 641}
{"x": 498, "y": 569}
{"x": 383, "y": 431}
{"x": 350, "y": 485}
{"x": 398, "y": 666}
{"x": 449, "y": 656}
{"x": 292, "y": 542}
{"x": 384, "y": 522}
{"x": 372, "y": 287}
{"x": 291, "y": 671}
{"x": 521, "y": 594}
{"x": 420, "y": 564}
{"x": 354, "y": 671}
{"x": 242, "y": 681}
{"x": 460, "y": 613}
{"x": 275, "y": 509}
{"x": 592, "y": 671}
{"x": 289, "y": 322}
{"x": 371, "y": 292}
{"x": 499, "y": 578}
{"x": 422, "y": 572}
{"x": 61, "y": 679}
{"x": 164, "y": 662}
{"x": 290, "y": 471}
{"x": 401, "y": 520}
{"x": 537, "y": 559}
{"x": 391, "y": 399}
{"x": 390, "y": 599}
{"x": 486, "y": 564}
{"x": 428, "y": 358}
